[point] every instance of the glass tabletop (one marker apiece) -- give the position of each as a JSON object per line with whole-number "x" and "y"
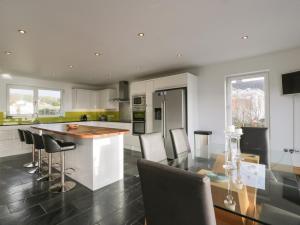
{"x": 251, "y": 190}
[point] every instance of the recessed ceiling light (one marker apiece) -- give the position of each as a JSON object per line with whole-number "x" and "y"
{"x": 98, "y": 53}
{"x": 22, "y": 31}
{"x": 245, "y": 37}
{"x": 140, "y": 34}
{"x": 7, "y": 53}
{"x": 70, "y": 66}
{"x": 179, "y": 55}
{"x": 6, "y": 76}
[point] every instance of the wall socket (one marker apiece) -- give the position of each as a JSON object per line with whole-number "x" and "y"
{"x": 291, "y": 150}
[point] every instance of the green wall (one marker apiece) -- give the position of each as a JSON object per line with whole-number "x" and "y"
{"x": 69, "y": 117}
{"x": 1, "y": 116}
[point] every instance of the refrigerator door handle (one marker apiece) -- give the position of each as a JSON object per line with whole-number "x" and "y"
{"x": 164, "y": 118}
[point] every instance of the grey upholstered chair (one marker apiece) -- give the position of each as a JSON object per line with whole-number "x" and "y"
{"x": 180, "y": 141}
{"x": 276, "y": 215}
{"x": 175, "y": 197}
{"x": 152, "y": 146}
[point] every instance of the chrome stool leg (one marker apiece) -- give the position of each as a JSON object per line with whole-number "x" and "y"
{"x": 49, "y": 176}
{"x": 64, "y": 186}
{"x": 39, "y": 171}
{"x": 33, "y": 163}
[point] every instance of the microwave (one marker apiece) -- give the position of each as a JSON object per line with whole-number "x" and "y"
{"x": 139, "y": 101}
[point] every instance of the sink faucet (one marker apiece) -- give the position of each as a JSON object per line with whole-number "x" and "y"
{"x": 35, "y": 117}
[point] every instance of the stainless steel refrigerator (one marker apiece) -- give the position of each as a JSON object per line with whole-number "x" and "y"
{"x": 169, "y": 112}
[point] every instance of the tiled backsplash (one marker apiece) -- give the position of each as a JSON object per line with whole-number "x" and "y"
{"x": 69, "y": 117}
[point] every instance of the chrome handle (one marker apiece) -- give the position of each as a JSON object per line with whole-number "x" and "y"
{"x": 164, "y": 119}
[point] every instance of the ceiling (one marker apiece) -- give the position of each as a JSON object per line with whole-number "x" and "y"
{"x": 60, "y": 33}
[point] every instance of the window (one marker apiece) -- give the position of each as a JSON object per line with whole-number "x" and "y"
{"x": 49, "y": 102}
{"x": 21, "y": 101}
{"x": 247, "y": 103}
{"x": 27, "y": 101}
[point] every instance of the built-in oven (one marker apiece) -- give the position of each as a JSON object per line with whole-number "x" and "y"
{"x": 139, "y": 115}
{"x": 138, "y": 127}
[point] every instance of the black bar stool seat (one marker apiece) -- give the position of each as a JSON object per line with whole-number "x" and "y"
{"x": 21, "y": 135}
{"x": 54, "y": 146}
{"x": 66, "y": 146}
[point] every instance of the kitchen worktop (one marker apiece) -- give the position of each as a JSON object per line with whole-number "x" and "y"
{"x": 82, "y": 131}
{"x": 5, "y": 123}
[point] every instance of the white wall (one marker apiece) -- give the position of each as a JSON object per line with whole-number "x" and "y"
{"x": 212, "y": 99}
{"x": 19, "y": 80}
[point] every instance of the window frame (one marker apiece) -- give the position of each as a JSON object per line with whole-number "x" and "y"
{"x": 35, "y": 100}
{"x": 229, "y": 78}
{"x": 49, "y": 89}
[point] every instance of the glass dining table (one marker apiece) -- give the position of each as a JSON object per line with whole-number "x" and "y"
{"x": 251, "y": 193}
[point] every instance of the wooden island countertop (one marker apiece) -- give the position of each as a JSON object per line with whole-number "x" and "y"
{"x": 82, "y": 131}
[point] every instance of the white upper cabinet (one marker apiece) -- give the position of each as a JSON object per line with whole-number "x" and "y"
{"x": 83, "y": 99}
{"x": 147, "y": 87}
{"x": 105, "y": 99}
{"x": 175, "y": 81}
{"x": 91, "y": 99}
{"x": 149, "y": 105}
{"x": 138, "y": 88}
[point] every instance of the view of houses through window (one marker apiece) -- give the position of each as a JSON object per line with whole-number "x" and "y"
{"x": 49, "y": 102}
{"x": 246, "y": 101}
{"x": 21, "y": 101}
{"x": 29, "y": 101}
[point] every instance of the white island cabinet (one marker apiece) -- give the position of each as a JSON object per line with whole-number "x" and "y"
{"x": 131, "y": 142}
{"x": 98, "y": 159}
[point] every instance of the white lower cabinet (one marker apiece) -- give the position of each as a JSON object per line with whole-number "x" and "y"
{"x": 10, "y": 143}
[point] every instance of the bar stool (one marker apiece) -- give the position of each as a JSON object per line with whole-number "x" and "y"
{"x": 54, "y": 146}
{"x": 39, "y": 146}
{"x": 22, "y": 139}
{"x": 28, "y": 140}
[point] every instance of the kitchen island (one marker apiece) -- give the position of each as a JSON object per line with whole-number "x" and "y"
{"x": 98, "y": 158}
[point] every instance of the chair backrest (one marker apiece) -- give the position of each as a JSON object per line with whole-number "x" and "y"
{"x": 255, "y": 141}
{"x": 50, "y": 144}
{"x": 152, "y": 146}
{"x": 38, "y": 141}
{"x": 180, "y": 141}
{"x": 28, "y": 137}
{"x": 175, "y": 197}
{"x": 21, "y": 135}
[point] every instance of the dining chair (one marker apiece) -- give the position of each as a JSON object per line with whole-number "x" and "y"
{"x": 255, "y": 141}
{"x": 175, "y": 197}
{"x": 152, "y": 147}
{"x": 180, "y": 141}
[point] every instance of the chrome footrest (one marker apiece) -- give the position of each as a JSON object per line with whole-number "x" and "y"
{"x": 31, "y": 165}
{"x": 34, "y": 170}
{"x": 69, "y": 171}
{"x": 58, "y": 188}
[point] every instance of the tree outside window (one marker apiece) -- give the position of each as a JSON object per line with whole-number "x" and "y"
{"x": 247, "y": 101}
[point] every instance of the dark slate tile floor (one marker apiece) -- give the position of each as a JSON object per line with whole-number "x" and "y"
{"x": 24, "y": 201}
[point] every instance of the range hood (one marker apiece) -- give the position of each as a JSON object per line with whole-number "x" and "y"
{"x": 123, "y": 92}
